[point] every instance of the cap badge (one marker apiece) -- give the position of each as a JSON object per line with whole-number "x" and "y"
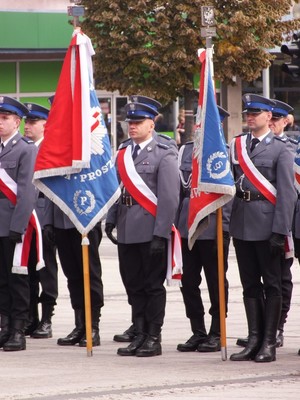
{"x": 29, "y": 106}
{"x": 1, "y": 99}
{"x": 132, "y": 106}
{"x": 135, "y": 99}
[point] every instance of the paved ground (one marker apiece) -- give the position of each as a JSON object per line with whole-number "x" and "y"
{"x": 46, "y": 371}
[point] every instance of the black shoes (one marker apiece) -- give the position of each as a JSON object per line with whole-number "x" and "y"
{"x": 74, "y": 337}
{"x": 133, "y": 347}
{"x": 151, "y": 347}
{"x": 95, "y": 339}
{"x": 212, "y": 344}
{"x": 126, "y": 336}
{"x": 43, "y": 331}
{"x": 193, "y": 342}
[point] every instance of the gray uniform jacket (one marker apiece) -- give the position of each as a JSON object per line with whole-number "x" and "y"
{"x": 18, "y": 159}
{"x": 44, "y": 209}
{"x": 185, "y": 167}
{"x": 256, "y": 220}
{"x": 157, "y": 166}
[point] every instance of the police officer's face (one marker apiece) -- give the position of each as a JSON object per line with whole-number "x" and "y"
{"x": 140, "y": 131}
{"x": 258, "y": 123}
{"x": 34, "y": 129}
{"x": 277, "y": 125}
{"x": 9, "y": 124}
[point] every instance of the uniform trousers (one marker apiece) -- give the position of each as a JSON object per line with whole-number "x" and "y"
{"x": 203, "y": 256}
{"x": 14, "y": 288}
{"x": 143, "y": 276}
{"x": 47, "y": 276}
{"x": 70, "y": 255}
{"x": 260, "y": 272}
{"x": 287, "y": 288}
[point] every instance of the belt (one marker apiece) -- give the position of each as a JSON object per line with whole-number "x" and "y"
{"x": 128, "y": 200}
{"x": 250, "y": 196}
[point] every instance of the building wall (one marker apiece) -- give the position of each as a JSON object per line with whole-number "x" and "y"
{"x": 35, "y": 5}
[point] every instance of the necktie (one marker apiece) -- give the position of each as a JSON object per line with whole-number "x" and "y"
{"x": 254, "y": 142}
{"x": 1, "y": 147}
{"x": 135, "y": 151}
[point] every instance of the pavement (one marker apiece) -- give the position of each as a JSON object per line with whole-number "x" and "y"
{"x": 46, "y": 371}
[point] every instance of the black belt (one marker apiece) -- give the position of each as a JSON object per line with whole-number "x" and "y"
{"x": 128, "y": 200}
{"x": 250, "y": 196}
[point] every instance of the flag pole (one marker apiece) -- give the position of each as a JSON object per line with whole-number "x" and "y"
{"x": 209, "y": 30}
{"x": 87, "y": 295}
{"x": 221, "y": 280}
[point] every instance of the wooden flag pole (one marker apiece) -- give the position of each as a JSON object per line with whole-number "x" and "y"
{"x": 87, "y": 295}
{"x": 221, "y": 279}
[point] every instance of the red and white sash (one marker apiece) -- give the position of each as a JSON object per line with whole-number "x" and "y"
{"x": 260, "y": 182}
{"x": 138, "y": 189}
{"x": 9, "y": 188}
{"x": 252, "y": 173}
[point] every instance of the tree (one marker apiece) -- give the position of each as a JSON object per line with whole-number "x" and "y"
{"x": 150, "y": 46}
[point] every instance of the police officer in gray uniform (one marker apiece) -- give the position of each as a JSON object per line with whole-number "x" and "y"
{"x": 142, "y": 237}
{"x": 202, "y": 256}
{"x": 129, "y": 334}
{"x": 277, "y": 124}
{"x": 259, "y": 224}
{"x": 46, "y": 277}
{"x": 17, "y": 158}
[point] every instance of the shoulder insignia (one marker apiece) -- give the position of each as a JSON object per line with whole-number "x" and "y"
{"x": 164, "y": 136}
{"x": 163, "y": 145}
{"x": 27, "y": 140}
{"x": 190, "y": 143}
{"x": 294, "y": 141}
{"x": 281, "y": 139}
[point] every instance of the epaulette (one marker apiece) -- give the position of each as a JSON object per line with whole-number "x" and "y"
{"x": 293, "y": 141}
{"x": 190, "y": 142}
{"x": 124, "y": 144}
{"x": 282, "y": 139}
{"x": 163, "y": 145}
{"x": 27, "y": 140}
{"x": 164, "y": 136}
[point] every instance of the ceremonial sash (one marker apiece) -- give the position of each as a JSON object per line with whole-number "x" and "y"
{"x": 260, "y": 182}
{"x": 138, "y": 189}
{"x": 21, "y": 254}
{"x": 252, "y": 173}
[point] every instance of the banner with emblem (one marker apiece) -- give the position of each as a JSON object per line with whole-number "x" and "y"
{"x": 212, "y": 184}
{"x": 74, "y": 166}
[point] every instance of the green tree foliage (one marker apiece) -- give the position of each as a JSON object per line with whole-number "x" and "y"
{"x": 150, "y": 46}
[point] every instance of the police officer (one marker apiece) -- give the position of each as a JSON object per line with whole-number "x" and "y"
{"x": 34, "y": 129}
{"x": 277, "y": 125}
{"x": 68, "y": 241}
{"x": 129, "y": 334}
{"x": 261, "y": 218}
{"x": 143, "y": 234}
{"x": 17, "y": 158}
{"x": 202, "y": 256}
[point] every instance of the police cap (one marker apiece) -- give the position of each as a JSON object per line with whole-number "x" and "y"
{"x": 281, "y": 109}
{"x": 255, "y": 103}
{"x": 36, "y": 111}
{"x": 8, "y": 105}
{"x": 140, "y": 108}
